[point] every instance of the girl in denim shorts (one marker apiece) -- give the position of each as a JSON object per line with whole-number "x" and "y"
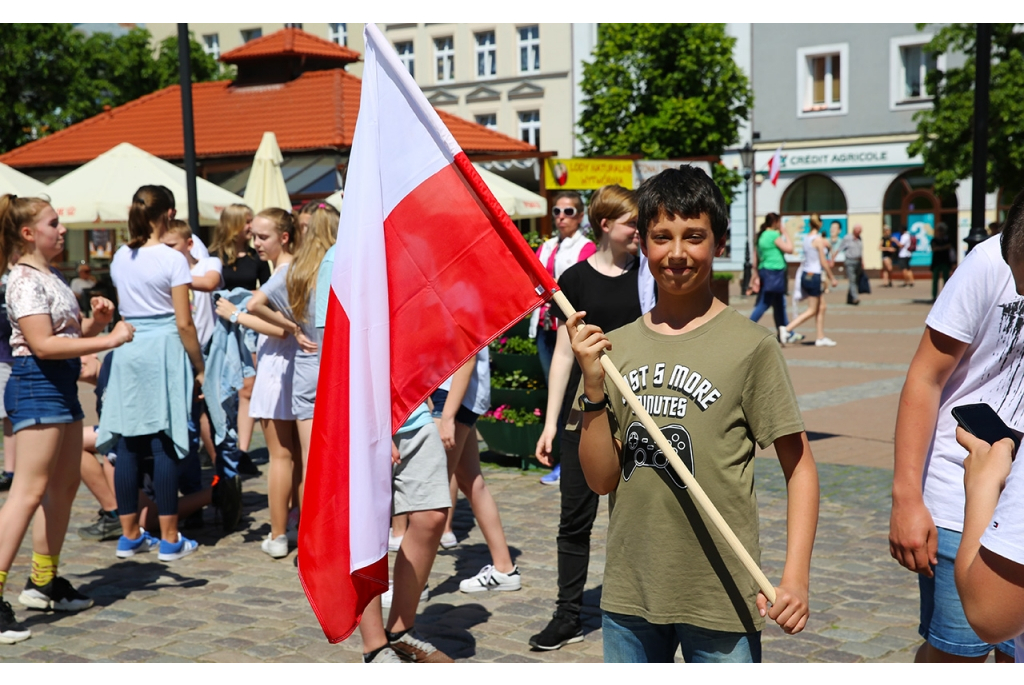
{"x": 48, "y": 335}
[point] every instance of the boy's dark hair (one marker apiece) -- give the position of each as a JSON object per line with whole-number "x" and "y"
{"x": 1011, "y": 242}
{"x": 686, "y": 192}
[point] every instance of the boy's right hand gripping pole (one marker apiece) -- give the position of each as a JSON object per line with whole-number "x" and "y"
{"x": 696, "y": 492}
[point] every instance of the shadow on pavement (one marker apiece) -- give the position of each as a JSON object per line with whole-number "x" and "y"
{"x": 447, "y": 627}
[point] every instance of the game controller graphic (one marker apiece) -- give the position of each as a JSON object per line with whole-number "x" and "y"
{"x": 640, "y": 450}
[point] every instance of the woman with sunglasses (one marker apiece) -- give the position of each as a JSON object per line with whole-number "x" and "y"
{"x": 557, "y": 254}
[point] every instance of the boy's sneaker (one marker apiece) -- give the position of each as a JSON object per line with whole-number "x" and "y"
{"x": 824, "y": 342}
{"x": 246, "y": 467}
{"x": 448, "y": 540}
{"x": 172, "y": 551}
{"x": 57, "y": 595}
{"x": 107, "y": 527}
{"x": 413, "y": 649}
{"x": 795, "y": 337}
{"x": 394, "y": 542}
{"x": 6, "y": 478}
{"x": 227, "y": 497}
{"x": 384, "y": 655}
{"x": 275, "y": 547}
{"x": 490, "y": 579}
{"x": 10, "y": 630}
{"x": 562, "y": 630}
{"x": 552, "y": 478}
{"x": 385, "y": 599}
{"x": 783, "y": 335}
{"x": 129, "y": 548}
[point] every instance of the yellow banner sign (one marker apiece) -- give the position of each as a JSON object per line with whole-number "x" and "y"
{"x": 587, "y": 174}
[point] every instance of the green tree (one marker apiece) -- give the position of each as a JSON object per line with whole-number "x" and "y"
{"x": 665, "y": 90}
{"x": 52, "y": 76}
{"x": 946, "y": 131}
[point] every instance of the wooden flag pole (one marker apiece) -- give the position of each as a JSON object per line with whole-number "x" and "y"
{"x": 694, "y": 489}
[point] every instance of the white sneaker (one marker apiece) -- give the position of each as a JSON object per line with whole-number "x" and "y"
{"x": 385, "y": 599}
{"x": 491, "y": 578}
{"x": 783, "y": 335}
{"x": 448, "y": 540}
{"x": 394, "y": 542}
{"x": 824, "y": 342}
{"x": 275, "y": 547}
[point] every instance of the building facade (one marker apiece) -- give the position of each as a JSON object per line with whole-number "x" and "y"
{"x": 840, "y": 102}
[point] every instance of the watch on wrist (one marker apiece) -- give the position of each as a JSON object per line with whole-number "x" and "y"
{"x": 586, "y": 405}
{"x": 234, "y": 316}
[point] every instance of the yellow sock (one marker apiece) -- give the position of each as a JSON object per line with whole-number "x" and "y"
{"x": 44, "y": 568}
{"x": 3, "y": 581}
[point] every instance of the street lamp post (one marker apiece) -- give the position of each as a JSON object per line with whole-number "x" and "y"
{"x": 979, "y": 167}
{"x": 747, "y": 159}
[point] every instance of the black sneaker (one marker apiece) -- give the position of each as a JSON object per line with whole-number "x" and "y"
{"x": 246, "y": 467}
{"x": 6, "y": 479}
{"x": 227, "y": 497}
{"x": 10, "y": 630}
{"x": 57, "y": 595}
{"x": 107, "y": 527}
{"x": 562, "y": 630}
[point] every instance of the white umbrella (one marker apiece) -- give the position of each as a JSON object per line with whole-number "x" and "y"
{"x": 266, "y": 187}
{"x": 14, "y": 182}
{"x": 99, "y": 194}
{"x": 335, "y": 199}
{"x": 519, "y": 202}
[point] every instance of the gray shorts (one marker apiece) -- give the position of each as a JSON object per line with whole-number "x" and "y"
{"x": 306, "y": 370}
{"x": 420, "y": 480}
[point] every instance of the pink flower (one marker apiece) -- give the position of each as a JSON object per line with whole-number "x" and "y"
{"x": 536, "y": 412}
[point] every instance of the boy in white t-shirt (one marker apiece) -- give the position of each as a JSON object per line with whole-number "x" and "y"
{"x": 990, "y": 561}
{"x": 970, "y": 353}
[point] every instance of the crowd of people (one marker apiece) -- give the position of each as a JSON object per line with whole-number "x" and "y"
{"x": 202, "y": 342}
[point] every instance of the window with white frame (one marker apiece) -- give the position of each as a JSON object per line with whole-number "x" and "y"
{"x": 486, "y": 62}
{"x": 405, "y": 54}
{"x": 293, "y": 26}
{"x": 822, "y": 81}
{"x": 488, "y": 120}
{"x": 529, "y": 49}
{"x": 338, "y": 33}
{"x": 529, "y": 127}
{"x": 444, "y": 57}
{"x": 211, "y": 45}
{"x": 251, "y": 34}
{"x": 910, "y": 65}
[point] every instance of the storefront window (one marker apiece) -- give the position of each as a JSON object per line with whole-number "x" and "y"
{"x": 910, "y": 203}
{"x": 813, "y": 194}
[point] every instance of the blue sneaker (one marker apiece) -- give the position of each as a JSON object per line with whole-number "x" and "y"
{"x": 127, "y": 547}
{"x": 174, "y": 551}
{"x": 552, "y": 478}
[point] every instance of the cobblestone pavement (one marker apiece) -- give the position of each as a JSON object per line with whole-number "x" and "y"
{"x": 229, "y": 602}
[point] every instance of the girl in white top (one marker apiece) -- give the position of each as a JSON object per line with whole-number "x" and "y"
{"x": 271, "y": 403}
{"x": 814, "y": 266}
{"x": 48, "y": 337}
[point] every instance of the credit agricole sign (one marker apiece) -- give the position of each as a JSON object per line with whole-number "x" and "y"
{"x": 840, "y": 158}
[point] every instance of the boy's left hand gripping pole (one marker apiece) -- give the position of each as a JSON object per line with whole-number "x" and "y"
{"x": 694, "y": 488}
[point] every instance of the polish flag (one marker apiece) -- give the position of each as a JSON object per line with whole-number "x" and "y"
{"x": 428, "y": 270}
{"x": 775, "y": 166}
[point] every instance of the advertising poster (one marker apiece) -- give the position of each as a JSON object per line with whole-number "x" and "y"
{"x": 922, "y": 227}
{"x": 799, "y": 225}
{"x": 100, "y": 244}
{"x": 587, "y": 174}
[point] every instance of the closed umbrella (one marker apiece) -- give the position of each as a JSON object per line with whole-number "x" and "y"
{"x": 99, "y": 194}
{"x": 266, "y": 187}
{"x": 14, "y": 182}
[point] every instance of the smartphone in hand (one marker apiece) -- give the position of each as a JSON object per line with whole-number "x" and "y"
{"x": 981, "y": 421}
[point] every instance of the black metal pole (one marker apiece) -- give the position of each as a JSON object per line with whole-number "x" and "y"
{"x": 748, "y": 270}
{"x": 185, "y": 74}
{"x": 979, "y": 167}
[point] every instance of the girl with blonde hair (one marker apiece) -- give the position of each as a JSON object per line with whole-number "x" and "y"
{"x": 48, "y": 337}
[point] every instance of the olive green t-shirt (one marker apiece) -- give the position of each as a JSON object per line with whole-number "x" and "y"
{"x": 714, "y": 392}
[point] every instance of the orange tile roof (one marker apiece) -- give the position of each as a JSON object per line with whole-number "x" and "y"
{"x": 290, "y": 42}
{"x": 315, "y": 111}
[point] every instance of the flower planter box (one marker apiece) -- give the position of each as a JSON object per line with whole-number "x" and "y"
{"x": 519, "y": 398}
{"x": 529, "y": 364}
{"x": 510, "y": 439}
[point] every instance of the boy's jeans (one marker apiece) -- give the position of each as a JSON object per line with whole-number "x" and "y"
{"x": 632, "y": 640}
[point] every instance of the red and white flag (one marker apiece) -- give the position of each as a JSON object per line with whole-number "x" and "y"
{"x": 775, "y": 166}
{"x": 428, "y": 269}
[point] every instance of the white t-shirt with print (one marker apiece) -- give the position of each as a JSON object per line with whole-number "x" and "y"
{"x": 144, "y": 278}
{"x": 1005, "y": 533}
{"x": 905, "y": 252}
{"x": 478, "y": 395}
{"x": 978, "y": 306}
{"x": 202, "y": 302}
{"x": 30, "y": 292}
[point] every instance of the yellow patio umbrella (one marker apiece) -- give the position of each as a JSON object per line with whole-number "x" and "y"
{"x": 266, "y": 187}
